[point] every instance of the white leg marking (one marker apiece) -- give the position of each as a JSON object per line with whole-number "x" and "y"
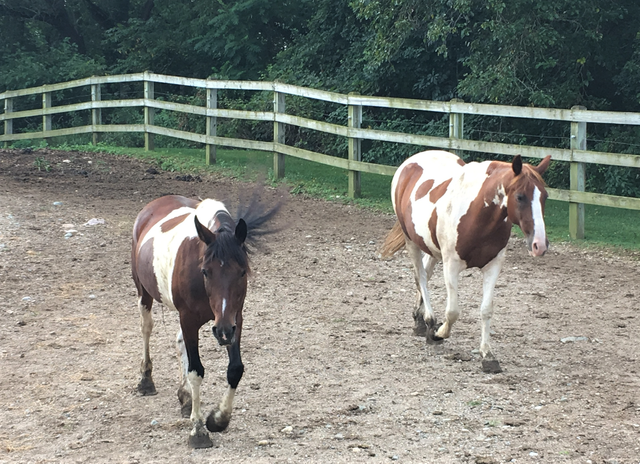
{"x": 451, "y": 274}
{"x": 223, "y": 414}
{"x": 146, "y": 326}
{"x": 490, "y": 276}
{"x": 421, "y": 276}
{"x": 195, "y": 381}
{"x": 184, "y": 358}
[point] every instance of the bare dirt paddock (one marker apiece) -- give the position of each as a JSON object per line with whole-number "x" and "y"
{"x": 333, "y": 373}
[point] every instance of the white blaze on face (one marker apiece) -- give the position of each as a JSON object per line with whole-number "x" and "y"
{"x": 539, "y": 234}
{"x": 224, "y": 305}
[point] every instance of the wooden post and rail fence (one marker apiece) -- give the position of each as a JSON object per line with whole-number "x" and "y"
{"x": 577, "y": 154}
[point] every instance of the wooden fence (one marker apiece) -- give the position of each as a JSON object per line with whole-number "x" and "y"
{"x": 577, "y": 117}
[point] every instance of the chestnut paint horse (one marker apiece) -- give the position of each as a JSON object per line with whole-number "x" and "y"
{"x": 191, "y": 256}
{"x": 462, "y": 214}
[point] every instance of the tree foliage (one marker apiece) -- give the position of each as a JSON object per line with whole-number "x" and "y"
{"x": 548, "y": 53}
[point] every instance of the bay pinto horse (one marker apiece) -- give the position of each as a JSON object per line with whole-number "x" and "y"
{"x": 462, "y": 214}
{"x": 192, "y": 257}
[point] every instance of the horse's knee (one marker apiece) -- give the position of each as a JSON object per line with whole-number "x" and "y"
{"x": 234, "y": 374}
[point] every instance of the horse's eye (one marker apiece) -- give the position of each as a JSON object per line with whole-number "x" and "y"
{"x": 521, "y": 198}
{"x": 243, "y": 273}
{"x": 204, "y": 272}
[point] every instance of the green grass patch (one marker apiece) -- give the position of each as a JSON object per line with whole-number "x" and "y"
{"x": 610, "y": 227}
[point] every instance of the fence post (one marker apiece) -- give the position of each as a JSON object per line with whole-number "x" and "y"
{"x": 355, "y": 147}
{"x": 456, "y": 126}
{"x": 577, "y": 177}
{"x": 212, "y": 126}
{"x": 96, "y": 113}
{"x": 8, "y": 123}
{"x": 278, "y": 134}
{"x": 46, "y": 118}
{"x": 149, "y": 114}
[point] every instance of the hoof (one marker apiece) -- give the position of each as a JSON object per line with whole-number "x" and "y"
{"x": 185, "y": 410}
{"x": 419, "y": 327}
{"x": 420, "y": 330}
{"x": 146, "y": 387}
{"x": 432, "y": 338}
{"x": 200, "y": 440}
{"x": 214, "y": 426}
{"x": 491, "y": 366}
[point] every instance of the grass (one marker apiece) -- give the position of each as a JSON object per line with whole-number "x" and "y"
{"x": 608, "y": 227}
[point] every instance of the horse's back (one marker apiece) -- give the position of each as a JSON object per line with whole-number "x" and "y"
{"x": 157, "y": 210}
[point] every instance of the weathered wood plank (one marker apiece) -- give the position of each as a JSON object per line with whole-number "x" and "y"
{"x": 120, "y": 78}
{"x": 335, "y": 162}
{"x": 590, "y": 198}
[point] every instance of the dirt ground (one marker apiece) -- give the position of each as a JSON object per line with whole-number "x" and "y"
{"x": 333, "y": 372}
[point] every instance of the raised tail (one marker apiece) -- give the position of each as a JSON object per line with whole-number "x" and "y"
{"x": 394, "y": 241}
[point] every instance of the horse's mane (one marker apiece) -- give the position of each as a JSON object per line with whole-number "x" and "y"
{"x": 226, "y": 247}
{"x": 256, "y": 215}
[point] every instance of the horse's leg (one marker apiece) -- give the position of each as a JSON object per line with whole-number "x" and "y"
{"x": 451, "y": 274}
{"x": 219, "y": 418}
{"x": 199, "y": 437}
{"x": 184, "y": 391}
{"x": 490, "y": 276}
{"x": 146, "y": 385}
{"x": 423, "y": 315}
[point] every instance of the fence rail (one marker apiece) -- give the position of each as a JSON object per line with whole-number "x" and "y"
{"x": 577, "y": 117}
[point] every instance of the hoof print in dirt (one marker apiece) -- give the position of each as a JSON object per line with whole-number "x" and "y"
{"x": 189, "y": 178}
{"x": 491, "y": 366}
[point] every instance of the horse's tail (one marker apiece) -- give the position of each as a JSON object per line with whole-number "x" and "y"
{"x": 394, "y": 241}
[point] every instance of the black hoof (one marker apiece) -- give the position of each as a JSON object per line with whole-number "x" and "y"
{"x": 146, "y": 387}
{"x": 491, "y": 366}
{"x": 200, "y": 440}
{"x": 185, "y": 410}
{"x": 214, "y": 426}
{"x": 419, "y": 327}
{"x": 432, "y": 338}
{"x": 420, "y": 330}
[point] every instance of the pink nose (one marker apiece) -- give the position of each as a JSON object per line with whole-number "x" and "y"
{"x": 539, "y": 247}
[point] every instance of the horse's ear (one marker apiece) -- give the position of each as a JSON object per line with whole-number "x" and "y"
{"x": 516, "y": 165}
{"x": 205, "y": 234}
{"x": 543, "y": 165}
{"x": 241, "y": 231}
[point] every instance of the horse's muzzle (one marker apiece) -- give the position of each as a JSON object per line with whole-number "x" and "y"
{"x": 224, "y": 335}
{"x": 538, "y": 247}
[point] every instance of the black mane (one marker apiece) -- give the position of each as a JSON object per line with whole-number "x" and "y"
{"x": 226, "y": 247}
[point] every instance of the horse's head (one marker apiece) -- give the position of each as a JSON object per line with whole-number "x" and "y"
{"x": 224, "y": 267}
{"x": 525, "y": 205}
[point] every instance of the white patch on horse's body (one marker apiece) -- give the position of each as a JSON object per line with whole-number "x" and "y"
{"x": 464, "y": 187}
{"x": 168, "y": 243}
{"x": 501, "y": 197}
